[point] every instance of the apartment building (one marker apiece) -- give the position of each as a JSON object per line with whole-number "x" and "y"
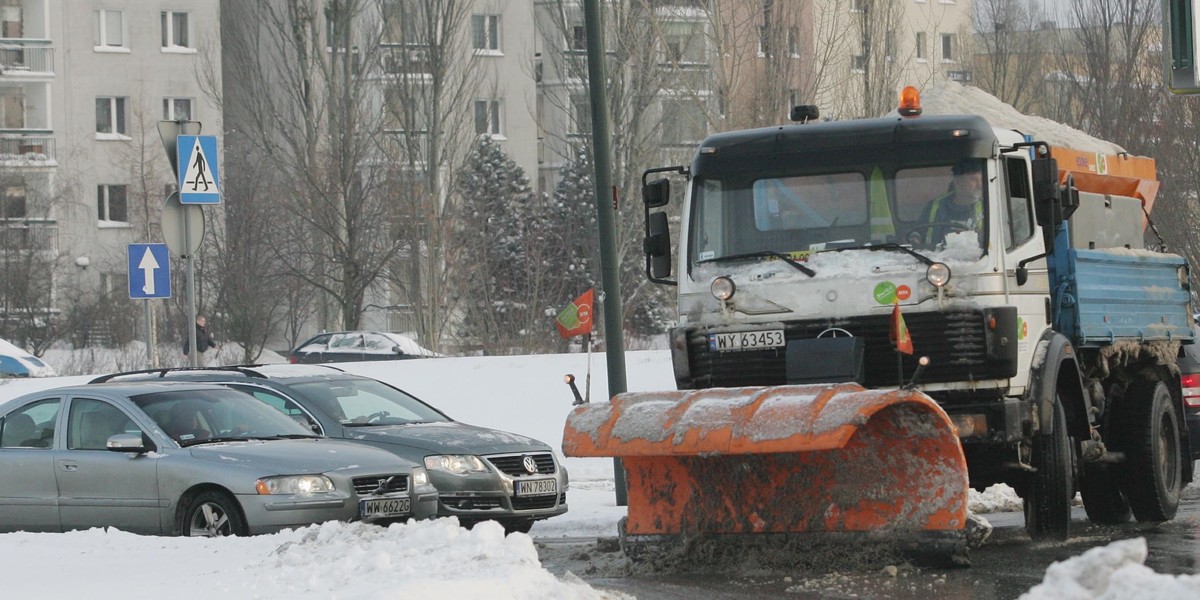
{"x": 82, "y": 169}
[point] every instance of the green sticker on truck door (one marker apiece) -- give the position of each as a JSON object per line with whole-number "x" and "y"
{"x": 887, "y": 292}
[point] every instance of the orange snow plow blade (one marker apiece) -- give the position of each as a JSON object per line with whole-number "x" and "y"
{"x": 785, "y": 459}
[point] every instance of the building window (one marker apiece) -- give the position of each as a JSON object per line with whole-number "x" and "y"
{"x": 110, "y": 115}
{"x": 578, "y": 37}
{"x": 581, "y": 109}
{"x": 793, "y": 42}
{"x": 683, "y": 43}
{"x": 921, "y": 56}
{"x": 109, "y": 29}
{"x": 12, "y": 204}
{"x": 111, "y": 203}
{"x": 177, "y": 109}
{"x": 485, "y": 32}
{"x": 683, "y": 122}
{"x": 889, "y": 45}
{"x": 175, "y": 29}
{"x": 764, "y": 41}
{"x": 487, "y": 117}
{"x": 112, "y": 284}
{"x": 948, "y": 49}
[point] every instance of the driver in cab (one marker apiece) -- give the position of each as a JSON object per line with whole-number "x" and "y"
{"x": 960, "y": 209}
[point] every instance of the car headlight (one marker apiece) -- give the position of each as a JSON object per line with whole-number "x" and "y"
{"x": 293, "y": 484}
{"x": 457, "y": 464}
{"x": 420, "y": 476}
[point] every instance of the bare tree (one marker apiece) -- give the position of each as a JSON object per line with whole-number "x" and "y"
{"x": 1105, "y": 70}
{"x": 1011, "y": 49}
{"x": 307, "y": 104}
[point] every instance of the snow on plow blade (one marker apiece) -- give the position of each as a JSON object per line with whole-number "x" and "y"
{"x": 785, "y": 459}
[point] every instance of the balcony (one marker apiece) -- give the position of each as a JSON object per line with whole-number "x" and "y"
{"x": 405, "y": 59}
{"x": 32, "y": 147}
{"x": 28, "y": 235}
{"x": 20, "y": 57}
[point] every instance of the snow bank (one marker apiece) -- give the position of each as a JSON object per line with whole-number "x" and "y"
{"x": 1112, "y": 572}
{"x": 945, "y": 97}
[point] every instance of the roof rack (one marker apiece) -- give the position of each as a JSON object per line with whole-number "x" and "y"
{"x": 247, "y": 370}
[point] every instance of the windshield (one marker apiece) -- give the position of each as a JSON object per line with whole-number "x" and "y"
{"x": 364, "y": 402}
{"x": 196, "y": 416}
{"x": 924, "y": 207}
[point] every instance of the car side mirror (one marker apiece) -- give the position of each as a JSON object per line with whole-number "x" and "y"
{"x": 396, "y": 349}
{"x": 139, "y": 443}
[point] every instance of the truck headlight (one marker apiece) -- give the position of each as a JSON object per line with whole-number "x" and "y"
{"x": 722, "y": 288}
{"x": 456, "y": 464}
{"x": 293, "y": 484}
{"x": 938, "y": 274}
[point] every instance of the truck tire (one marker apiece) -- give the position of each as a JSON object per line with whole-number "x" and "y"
{"x": 1102, "y": 497}
{"x": 1152, "y": 476}
{"x": 1050, "y": 491}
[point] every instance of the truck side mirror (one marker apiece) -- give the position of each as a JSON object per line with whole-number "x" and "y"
{"x": 656, "y": 193}
{"x": 1045, "y": 191}
{"x": 657, "y": 245}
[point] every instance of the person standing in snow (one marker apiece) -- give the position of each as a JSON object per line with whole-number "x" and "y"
{"x": 204, "y": 341}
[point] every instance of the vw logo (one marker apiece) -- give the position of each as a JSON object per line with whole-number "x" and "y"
{"x": 529, "y": 464}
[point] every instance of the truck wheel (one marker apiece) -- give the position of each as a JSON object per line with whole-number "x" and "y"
{"x": 1102, "y": 497}
{"x": 1152, "y": 476}
{"x": 1050, "y": 491}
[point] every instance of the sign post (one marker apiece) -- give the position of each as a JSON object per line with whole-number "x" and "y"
{"x": 149, "y": 277}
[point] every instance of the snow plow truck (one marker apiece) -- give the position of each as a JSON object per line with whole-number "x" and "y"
{"x": 849, "y": 361}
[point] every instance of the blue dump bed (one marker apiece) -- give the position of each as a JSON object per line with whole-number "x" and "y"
{"x": 1112, "y": 295}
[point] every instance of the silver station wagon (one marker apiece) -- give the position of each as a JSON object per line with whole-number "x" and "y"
{"x": 187, "y": 459}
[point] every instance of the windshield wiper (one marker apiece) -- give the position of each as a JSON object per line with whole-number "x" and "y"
{"x": 887, "y": 246}
{"x": 781, "y": 256}
{"x": 218, "y": 440}
{"x": 290, "y": 436}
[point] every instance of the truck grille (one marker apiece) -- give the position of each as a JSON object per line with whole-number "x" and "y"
{"x": 955, "y": 343}
{"x": 365, "y": 486}
{"x": 512, "y": 464}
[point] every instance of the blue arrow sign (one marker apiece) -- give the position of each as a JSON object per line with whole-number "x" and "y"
{"x": 198, "y": 179}
{"x": 149, "y": 271}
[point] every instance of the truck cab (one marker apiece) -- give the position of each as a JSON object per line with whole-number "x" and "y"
{"x": 844, "y": 251}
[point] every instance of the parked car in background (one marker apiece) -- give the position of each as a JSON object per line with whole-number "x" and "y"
{"x": 15, "y": 362}
{"x": 481, "y": 474}
{"x": 187, "y": 459}
{"x": 353, "y": 346}
{"x": 1189, "y": 379}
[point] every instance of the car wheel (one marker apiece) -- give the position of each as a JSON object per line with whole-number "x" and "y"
{"x": 211, "y": 514}
{"x": 1152, "y": 477}
{"x": 1049, "y": 495}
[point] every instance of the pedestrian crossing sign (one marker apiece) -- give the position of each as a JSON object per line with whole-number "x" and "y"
{"x": 198, "y": 179}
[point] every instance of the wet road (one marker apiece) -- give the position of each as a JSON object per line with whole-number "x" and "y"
{"x": 1007, "y": 566}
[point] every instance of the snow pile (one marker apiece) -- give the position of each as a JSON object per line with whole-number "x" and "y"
{"x": 1112, "y": 572}
{"x": 415, "y": 560}
{"x": 997, "y": 498}
{"x": 945, "y": 97}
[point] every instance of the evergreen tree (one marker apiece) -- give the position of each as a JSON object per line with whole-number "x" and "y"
{"x": 490, "y": 237}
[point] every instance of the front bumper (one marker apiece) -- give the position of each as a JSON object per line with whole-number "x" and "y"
{"x": 492, "y": 495}
{"x": 270, "y": 514}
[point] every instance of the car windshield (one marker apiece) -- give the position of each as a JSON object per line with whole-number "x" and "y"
{"x": 198, "y": 416}
{"x": 796, "y": 214}
{"x": 366, "y": 402}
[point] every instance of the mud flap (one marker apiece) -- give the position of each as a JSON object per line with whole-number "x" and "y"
{"x": 780, "y": 460}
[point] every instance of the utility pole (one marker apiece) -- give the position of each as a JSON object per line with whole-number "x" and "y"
{"x": 614, "y": 342}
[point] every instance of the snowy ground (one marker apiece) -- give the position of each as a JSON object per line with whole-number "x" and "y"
{"x": 437, "y": 558}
